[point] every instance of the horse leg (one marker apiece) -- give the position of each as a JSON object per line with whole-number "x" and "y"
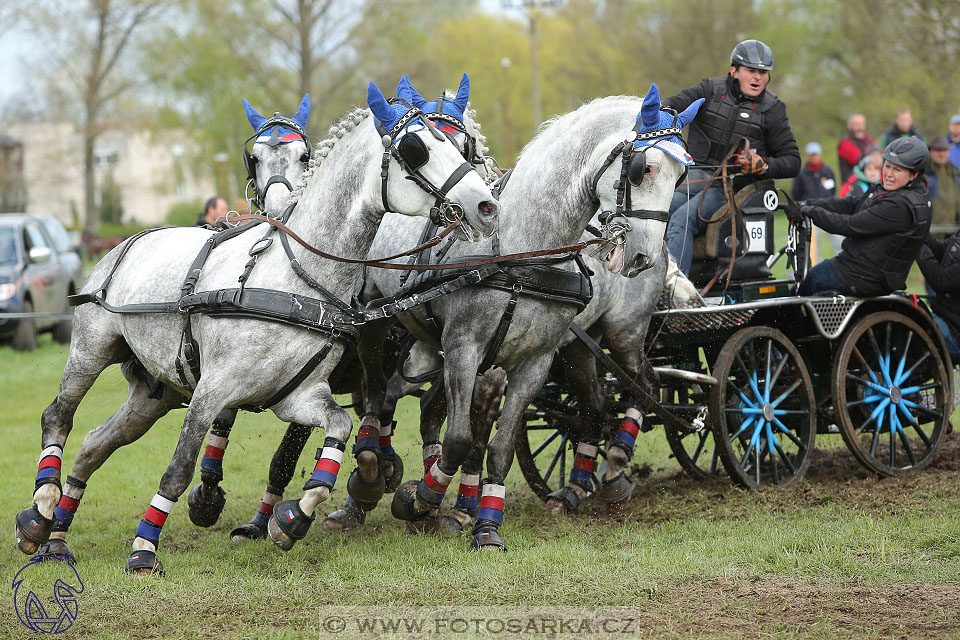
{"x": 580, "y": 370}
{"x": 282, "y": 467}
{"x": 145, "y": 405}
{"x": 175, "y": 480}
{"x": 524, "y": 382}
{"x": 207, "y": 498}
{"x": 414, "y": 500}
{"x": 616, "y": 485}
{"x": 89, "y": 356}
{"x": 291, "y": 519}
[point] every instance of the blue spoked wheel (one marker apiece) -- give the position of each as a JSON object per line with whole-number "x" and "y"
{"x": 762, "y": 409}
{"x": 890, "y": 390}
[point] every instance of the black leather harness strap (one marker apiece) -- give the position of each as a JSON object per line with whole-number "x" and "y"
{"x": 500, "y": 333}
{"x": 294, "y": 382}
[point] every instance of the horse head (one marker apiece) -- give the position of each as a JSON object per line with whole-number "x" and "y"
{"x": 435, "y": 168}
{"x": 635, "y": 200}
{"x": 280, "y": 153}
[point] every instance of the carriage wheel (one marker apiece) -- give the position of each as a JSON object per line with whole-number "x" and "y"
{"x": 544, "y": 451}
{"x": 763, "y": 409}
{"x": 890, "y": 387}
{"x": 696, "y": 452}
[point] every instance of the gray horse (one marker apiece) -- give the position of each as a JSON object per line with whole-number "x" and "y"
{"x": 246, "y": 362}
{"x": 559, "y": 182}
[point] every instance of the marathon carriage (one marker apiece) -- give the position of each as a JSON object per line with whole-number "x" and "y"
{"x": 749, "y": 381}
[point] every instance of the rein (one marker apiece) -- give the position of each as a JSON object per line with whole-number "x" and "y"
{"x": 381, "y": 264}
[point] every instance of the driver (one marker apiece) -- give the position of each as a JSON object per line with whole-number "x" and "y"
{"x": 884, "y": 229}
{"x": 737, "y": 106}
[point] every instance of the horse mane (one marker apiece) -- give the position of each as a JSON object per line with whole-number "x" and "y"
{"x": 322, "y": 149}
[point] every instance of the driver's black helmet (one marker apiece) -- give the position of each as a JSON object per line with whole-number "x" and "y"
{"x": 910, "y": 153}
{"x": 753, "y": 54}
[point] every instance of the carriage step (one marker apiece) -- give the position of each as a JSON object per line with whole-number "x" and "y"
{"x": 689, "y": 376}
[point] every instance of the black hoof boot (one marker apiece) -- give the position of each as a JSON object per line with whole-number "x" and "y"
{"x": 33, "y": 529}
{"x": 206, "y": 505}
{"x": 365, "y": 494}
{"x": 144, "y": 563}
{"x": 486, "y": 538}
{"x": 406, "y": 505}
{"x": 248, "y": 532}
{"x": 345, "y": 519}
{"x": 391, "y": 468}
{"x": 617, "y": 490}
{"x": 563, "y": 500}
{"x": 288, "y": 524}
{"x": 56, "y": 547}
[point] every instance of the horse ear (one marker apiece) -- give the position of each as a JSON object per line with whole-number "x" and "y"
{"x": 650, "y": 111}
{"x": 254, "y": 118}
{"x": 303, "y": 111}
{"x": 463, "y": 93}
{"x": 689, "y": 113}
{"x": 379, "y": 106}
{"x": 405, "y": 90}
{"x": 416, "y": 99}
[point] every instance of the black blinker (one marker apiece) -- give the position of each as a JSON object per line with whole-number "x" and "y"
{"x": 637, "y": 167}
{"x": 413, "y": 152}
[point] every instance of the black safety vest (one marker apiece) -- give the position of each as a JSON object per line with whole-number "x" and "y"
{"x": 724, "y": 120}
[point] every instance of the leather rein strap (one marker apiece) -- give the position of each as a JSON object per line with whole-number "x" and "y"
{"x": 381, "y": 264}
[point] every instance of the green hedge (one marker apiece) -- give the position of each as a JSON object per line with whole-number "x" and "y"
{"x": 184, "y": 214}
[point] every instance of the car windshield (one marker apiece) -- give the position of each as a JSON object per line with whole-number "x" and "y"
{"x": 8, "y": 245}
{"x": 57, "y": 233}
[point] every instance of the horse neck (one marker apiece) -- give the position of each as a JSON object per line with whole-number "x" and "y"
{"x": 339, "y": 211}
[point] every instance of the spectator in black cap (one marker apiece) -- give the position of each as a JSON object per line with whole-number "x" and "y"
{"x": 944, "y": 185}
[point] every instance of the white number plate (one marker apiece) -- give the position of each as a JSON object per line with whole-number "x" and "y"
{"x": 756, "y": 231}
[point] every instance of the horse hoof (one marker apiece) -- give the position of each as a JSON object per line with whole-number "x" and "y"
{"x": 206, "y": 506}
{"x": 463, "y": 517}
{"x": 56, "y": 547}
{"x": 617, "y": 490}
{"x": 345, "y": 519}
{"x": 365, "y": 494}
{"x": 288, "y": 524}
{"x": 144, "y": 563}
{"x": 435, "y": 525}
{"x": 487, "y": 539}
{"x": 562, "y": 501}
{"x": 405, "y": 505}
{"x": 247, "y": 532}
{"x": 32, "y": 530}
{"x": 392, "y": 470}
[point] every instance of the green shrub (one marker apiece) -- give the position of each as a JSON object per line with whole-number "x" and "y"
{"x": 184, "y": 214}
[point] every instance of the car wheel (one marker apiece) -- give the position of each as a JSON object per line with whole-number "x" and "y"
{"x": 25, "y": 337}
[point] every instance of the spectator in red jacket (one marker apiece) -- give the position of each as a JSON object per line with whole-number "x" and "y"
{"x": 853, "y": 145}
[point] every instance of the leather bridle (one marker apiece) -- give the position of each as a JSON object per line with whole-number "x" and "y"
{"x": 250, "y": 161}
{"x": 443, "y": 212}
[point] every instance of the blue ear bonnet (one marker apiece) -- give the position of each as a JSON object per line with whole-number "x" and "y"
{"x": 389, "y": 113}
{"x": 651, "y": 118}
{"x": 455, "y": 106}
{"x": 279, "y": 134}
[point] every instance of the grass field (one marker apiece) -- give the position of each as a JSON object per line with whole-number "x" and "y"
{"x": 843, "y": 555}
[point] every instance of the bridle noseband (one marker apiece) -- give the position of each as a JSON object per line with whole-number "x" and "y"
{"x": 412, "y": 154}
{"x": 633, "y": 168}
{"x": 250, "y": 161}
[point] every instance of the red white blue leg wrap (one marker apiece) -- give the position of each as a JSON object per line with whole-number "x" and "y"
{"x": 386, "y": 434}
{"x": 153, "y": 520}
{"x": 468, "y": 495}
{"x": 212, "y": 460}
{"x": 491, "y": 502}
{"x": 431, "y": 453}
{"x": 434, "y": 485}
{"x": 69, "y": 503}
{"x": 48, "y": 469}
{"x": 328, "y": 465}
{"x": 584, "y": 463}
{"x": 626, "y": 436}
{"x": 368, "y": 437}
{"x": 270, "y": 498}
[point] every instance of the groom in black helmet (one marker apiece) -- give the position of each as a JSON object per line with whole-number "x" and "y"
{"x": 737, "y": 106}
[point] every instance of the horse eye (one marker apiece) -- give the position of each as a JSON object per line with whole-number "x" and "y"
{"x": 304, "y": 157}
